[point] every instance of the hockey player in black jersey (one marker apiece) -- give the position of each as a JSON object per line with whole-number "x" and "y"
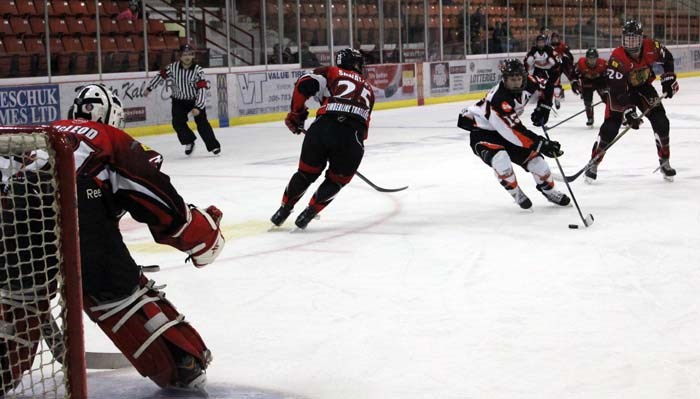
{"x": 500, "y": 139}
{"x": 541, "y": 57}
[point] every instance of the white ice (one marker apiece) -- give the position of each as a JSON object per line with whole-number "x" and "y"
{"x": 446, "y": 290}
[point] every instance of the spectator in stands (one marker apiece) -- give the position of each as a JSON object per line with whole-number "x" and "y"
{"x": 287, "y": 57}
{"x": 308, "y": 59}
{"x": 367, "y": 55}
{"x": 133, "y": 12}
{"x": 498, "y": 39}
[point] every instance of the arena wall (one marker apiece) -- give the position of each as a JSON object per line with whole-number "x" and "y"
{"x": 254, "y": 94}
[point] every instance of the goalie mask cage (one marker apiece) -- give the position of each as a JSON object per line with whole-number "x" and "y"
{"x": 41, "y": 331}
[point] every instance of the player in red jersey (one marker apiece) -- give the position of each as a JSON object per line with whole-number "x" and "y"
{"x": 565, "y": 61}
{"x": 590, "y": 77}
{"x": 115, "y": 174}
{"x": 629, "y": 77}
{"x": 336, "y": 136}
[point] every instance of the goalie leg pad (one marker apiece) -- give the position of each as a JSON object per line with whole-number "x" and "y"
{"x": 20, "y": 333}
{"x": 151, "y": 333}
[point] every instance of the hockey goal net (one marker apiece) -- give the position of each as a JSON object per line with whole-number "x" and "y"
{"x": 41, "y": 330}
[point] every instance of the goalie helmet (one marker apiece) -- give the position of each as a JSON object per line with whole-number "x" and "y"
{"x": 351, "y": 59}
{"x": 632, "y": 37}
{"x": 513, "y": 67}
{"x": 97, "y": 103}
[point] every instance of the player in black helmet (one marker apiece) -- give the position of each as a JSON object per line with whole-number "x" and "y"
{"x": 541, "y": 57}
{"x": 629, "y": 76}
{"x": 335, "y": 138}
{"x": 590, "y": 77}
{"x": 500, "y": 139}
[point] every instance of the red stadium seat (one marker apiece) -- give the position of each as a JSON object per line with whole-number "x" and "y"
{"x": 27, "y": 8}
{"x": 155, "y": 26}
{"x": 111, "y": 8}
{"x": 35, "y": 45}
{"x": 76, "y": 26}
{"x": 72, "y": 44}
{"x": 90, "y": 26}
{"x": 89, "y": 43}
{"x": 108, "y": 44}
{"x": 38, "y": 25}
{"x": 108, "y": 25}
{"x": 78, "y": 8}
{"x": 172, "y": 42}
{"x": 156, "y": 43}
{"x": 138, "y": 43}
{"x": 8, "y": 8}
{"x": 5, "y": 27}
{"x": 126, "y": 26}
{"x": 59, "y": 8}
{"x": 57, "y": 26}
{"x": 20, "y": 26}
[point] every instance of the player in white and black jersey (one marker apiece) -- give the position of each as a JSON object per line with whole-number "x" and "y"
{"x": 189, "y": 95}
{"x": 544, "y": 63}
{"x": 499, "y": 138}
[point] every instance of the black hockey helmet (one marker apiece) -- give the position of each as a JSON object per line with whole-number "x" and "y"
{"x": 351, "y": 59}
{"x": 554, "y": 39}
{"x": 591, "y": 56}
{"x": 513, "y": 67}
{"x": 632, "y": 37}
{"x": 541, "y": 38}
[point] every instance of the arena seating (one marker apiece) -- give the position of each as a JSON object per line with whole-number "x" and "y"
{"x": 72, "y": 40}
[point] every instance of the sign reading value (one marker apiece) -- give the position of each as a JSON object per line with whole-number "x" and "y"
{"x": 29, "y": 105}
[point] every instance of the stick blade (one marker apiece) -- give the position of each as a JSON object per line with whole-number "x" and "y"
{"x": 588, "y": 221}
{"x": 106, "y": 361}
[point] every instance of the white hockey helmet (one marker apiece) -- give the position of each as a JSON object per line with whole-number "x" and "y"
{"x": 97, "y": 103}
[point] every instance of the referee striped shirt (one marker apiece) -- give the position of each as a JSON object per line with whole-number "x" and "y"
{"x": 188, "y": 83}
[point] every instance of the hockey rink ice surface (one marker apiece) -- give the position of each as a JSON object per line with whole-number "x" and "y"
{"x": 447, "y": 290}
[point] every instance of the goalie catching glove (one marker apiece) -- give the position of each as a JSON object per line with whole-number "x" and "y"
{"x": 200, "y": 237}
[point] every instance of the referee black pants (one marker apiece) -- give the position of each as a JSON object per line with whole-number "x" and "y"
{"x": 180, "y": 112}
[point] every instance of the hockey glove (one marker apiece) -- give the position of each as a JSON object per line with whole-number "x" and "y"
{"x": 540, "y": 115}
{"x": 295, "y": 121}
{"x": 631, "y": 119}
{"x": 548, "y": 148}
{"x": 200, "y": 237}
{"x": 669, "y": 84}
{"x": 576, "y": 87}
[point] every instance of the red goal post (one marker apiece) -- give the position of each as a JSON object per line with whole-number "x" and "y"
{"x": 41, "y": 328}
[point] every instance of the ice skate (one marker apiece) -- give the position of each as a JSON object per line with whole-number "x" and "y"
{"x": 666, "y": 170}
{"x": 281, "y": 215}
{"x": 591, "y": 174}
{"x": 305, "y": 217}
{"x": 552, "y": 195}
{"x": 520, "y": 198}
{"x": 589, "y": 122}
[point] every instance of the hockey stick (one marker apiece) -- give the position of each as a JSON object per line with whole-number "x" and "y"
{"x": 573, "y": 116}
{"x": 376, "y": 187}
{"x": 93, "y": 360}
{"x": 595, "y": 159}
{"x": 588, "y": 220}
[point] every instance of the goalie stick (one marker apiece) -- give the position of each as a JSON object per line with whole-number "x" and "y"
{"x": 595, "y": 159}
{"x": 376, "y": 187}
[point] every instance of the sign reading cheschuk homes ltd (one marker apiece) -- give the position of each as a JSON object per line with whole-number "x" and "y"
{"x": 29, "y": 105}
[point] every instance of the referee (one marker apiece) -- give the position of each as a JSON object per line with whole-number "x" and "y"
{"x": 189, "y": 94}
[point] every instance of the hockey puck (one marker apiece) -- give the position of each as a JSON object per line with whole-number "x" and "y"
{"x": 573, "y": 226}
